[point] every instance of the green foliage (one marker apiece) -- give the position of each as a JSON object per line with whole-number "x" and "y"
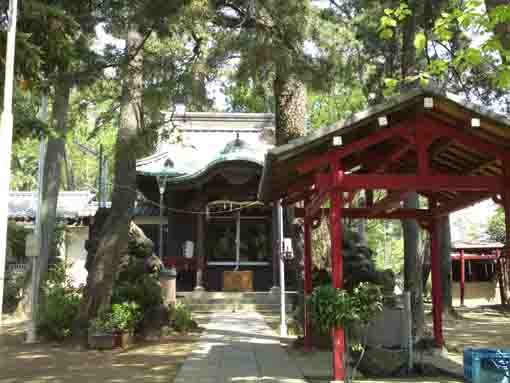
{"x": 391, "y": 18}
{"x": 122, "y": 317}
{"x": 331, "y": 307}
{"x": 180, "y": 318}
{"x": 496, "y": 228}
{"x": 16, "y": 236}
{"x": 126, "y": 315}
{"x": 58, "y": 305}
{"x": 13, "y": 291}
{"x": 146, "y": 292}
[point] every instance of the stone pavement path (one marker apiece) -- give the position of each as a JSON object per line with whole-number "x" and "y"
{"x": 238, "y": 348}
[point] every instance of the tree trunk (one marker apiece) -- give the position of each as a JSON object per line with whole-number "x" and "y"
{"x": 54, "y": 158}
{"x": 290, "y": 108}
{"x": 446, "y": 264}
{"x": 413, "y": 258}
{"x": 413, "y": 264}
{"x": 290, "y": 122}
{"x": 113, "y": 239}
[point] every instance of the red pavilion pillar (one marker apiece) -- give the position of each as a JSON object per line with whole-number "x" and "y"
{"x": 336, "y": 228}
{"x": 308, "y": 280}
{"x": 506, "y": 206}
{"x": 437, "y": 299}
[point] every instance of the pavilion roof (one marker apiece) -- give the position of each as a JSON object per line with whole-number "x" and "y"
{"x": 286, "y": 165}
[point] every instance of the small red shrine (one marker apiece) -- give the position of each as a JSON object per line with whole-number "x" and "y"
{"x": 452, "y": 153}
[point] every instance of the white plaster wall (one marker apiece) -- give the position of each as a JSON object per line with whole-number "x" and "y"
{"x": 76, "y": 255}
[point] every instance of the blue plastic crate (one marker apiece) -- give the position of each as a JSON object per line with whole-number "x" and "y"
{"x": 486, "y": 365}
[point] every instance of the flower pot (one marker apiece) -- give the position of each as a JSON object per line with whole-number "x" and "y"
{"x": 123, "y": 339}
{"x": 101, "y": 341}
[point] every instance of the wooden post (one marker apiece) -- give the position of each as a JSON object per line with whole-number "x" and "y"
{"x": 506, "y": 207}
{"x": 308, "y": 280}
{"x": 500, "y": 269}
{"x": 276, "y": 248}
{"x": 462, "y": 277}
{"x": 437, "y": 299}
{"x": 336, "y": 227}
{"x": 200, "y": 252}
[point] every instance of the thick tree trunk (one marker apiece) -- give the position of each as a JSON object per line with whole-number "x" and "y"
{"x": 113, "y": 239}
{"x": 290, "y": 122}
{"x": 446, "y": 264}
{"x": 413, "y": 264}
{"x": 54, "y": 159}
{"x": 413, "y": 257}
{"x": 290, "y": 108}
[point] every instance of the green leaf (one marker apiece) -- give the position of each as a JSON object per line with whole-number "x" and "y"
{"x": 420, "y": 41}
{"x": 390, "y": 82}
{"x": 386, "y": 34}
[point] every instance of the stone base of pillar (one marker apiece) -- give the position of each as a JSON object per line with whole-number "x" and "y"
{"x": 199, "y": 288}
{"x": 274, "y": 290}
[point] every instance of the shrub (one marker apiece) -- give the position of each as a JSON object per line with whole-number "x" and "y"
{"x": 58, "y": 305}
{"x": 13, "y": 290}
{"x": 122, "y": 317}
{"x": 146, "y": 292}
{"x": 333, "y": 307}
{"x": 126, "y": 315}
{"x": 181, "y": 319}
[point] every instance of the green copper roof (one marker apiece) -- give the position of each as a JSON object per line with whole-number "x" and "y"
{"x": 183, "y": 163}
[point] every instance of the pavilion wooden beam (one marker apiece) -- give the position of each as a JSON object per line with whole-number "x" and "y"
{"x": 460, "y": 203}
{"x": 464, "y": 137}
{"x": 358, "y": 213}
{"x": 335, "y": 154}
{"x": 492, "y": 184}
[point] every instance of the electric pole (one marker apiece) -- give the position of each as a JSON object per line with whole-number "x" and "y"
{"x": 6, "y": 142}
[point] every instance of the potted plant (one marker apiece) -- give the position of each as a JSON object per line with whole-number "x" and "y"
{"x": 115, "y": 328}
{"x": 333, "y": 308}
{"x": 125, "y": 317}
{"x": 101, "y": 332}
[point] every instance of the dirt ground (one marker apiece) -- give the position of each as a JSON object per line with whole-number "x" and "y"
{"x": 481, "y": 327}
{"x": 147, "y": 362}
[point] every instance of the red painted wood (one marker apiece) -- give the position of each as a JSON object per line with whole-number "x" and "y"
{"x": 460, "y": 203}
{"x": 335, "y": 154}
{"x": 394, "y": 157}
{"x": 308, "y": 281}
{"x": 357, "y": 213}
{"x": 462, "y": 277}
{"x": 464, "y": 137}
{"x": 506, "y": 201}
{"x": 474, "y": 257}
{"x": 437, "y": 300}
{"x": 491, "y": 184}
{"x": 423, "y": 140}
{"x": 336, "y": 228}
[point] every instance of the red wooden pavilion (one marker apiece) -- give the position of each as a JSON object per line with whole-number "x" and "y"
{"x": 452, "y": 153}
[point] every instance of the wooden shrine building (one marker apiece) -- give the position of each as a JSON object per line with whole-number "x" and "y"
{"x": 208, "y": 173}
{"x": 452, "y": 153}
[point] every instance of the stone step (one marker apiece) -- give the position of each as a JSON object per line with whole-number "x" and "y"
{"x": 238, "y": 307}
{"x": 233, "y": 298}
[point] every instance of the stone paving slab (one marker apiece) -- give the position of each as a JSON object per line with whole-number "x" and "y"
{"x": 239, "y": 348}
